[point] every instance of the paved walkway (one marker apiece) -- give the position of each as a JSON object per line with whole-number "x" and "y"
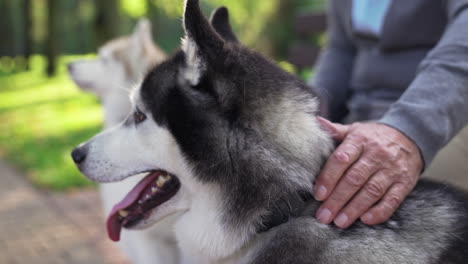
{"x": 39, "y": 228}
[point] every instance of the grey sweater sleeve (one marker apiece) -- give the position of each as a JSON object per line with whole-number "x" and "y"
{"x": 333, "y": 69}
{"x": 434, "y": 108}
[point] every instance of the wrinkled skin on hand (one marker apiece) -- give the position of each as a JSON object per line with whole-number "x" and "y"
{"x": 369, "y": 174}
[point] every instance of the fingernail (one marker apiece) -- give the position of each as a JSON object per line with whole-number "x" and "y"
{"x": 320, "y": 193}
{"x": 324, "y": 216}
{"x": 367, "y": 217}
{"x": 341, "y": 220}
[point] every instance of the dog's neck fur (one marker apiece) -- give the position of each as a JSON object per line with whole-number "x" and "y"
{"x": 203, "y": 234}
{"x": 203, "y": 237}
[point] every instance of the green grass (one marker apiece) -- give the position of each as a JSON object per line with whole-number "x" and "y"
{"x": 42, "y": 119}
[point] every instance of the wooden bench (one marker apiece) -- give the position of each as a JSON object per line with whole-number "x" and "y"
{"x": 304, "y": 51}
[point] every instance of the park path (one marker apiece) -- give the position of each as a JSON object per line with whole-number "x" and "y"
{"x": 43, "y": 228}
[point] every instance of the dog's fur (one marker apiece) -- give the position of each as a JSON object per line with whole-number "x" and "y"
{"x": 122, "y": 63}
{"x": 242, "y": 137}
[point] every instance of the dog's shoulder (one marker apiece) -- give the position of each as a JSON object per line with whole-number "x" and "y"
{"x": 300, "y": 240}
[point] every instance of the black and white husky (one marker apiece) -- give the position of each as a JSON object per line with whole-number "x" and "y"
{"x": 231, "y": 146}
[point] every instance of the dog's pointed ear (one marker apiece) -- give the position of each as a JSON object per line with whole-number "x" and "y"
{"x": 141, "y": 35}
{"x": 141, "y": 43}
{"x": 201, "y": 45}
{"x": 220, "y": 22}
{"x": 143, "y": 29}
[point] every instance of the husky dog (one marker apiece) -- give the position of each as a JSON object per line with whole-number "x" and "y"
{"x": 121, "y": 63}
{"x": 231, "y": 146}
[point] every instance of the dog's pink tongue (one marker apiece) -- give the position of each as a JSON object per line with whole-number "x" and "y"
{"x": 114, "y": 225}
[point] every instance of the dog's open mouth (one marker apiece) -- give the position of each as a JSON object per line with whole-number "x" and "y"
{"x": 153, "y": 190}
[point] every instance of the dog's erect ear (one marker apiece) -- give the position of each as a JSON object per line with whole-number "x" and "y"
{"x": 220, "y": 22}
{"x": 201, "y": 45}
{"x": 142, "y": 33}
{"x": 140, "y": 39}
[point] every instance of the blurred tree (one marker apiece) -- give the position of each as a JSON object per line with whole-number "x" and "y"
{"x": 52, "y": 45}
{"x": 279, "y": 27}
{"x": 107, "y": 20}
{"x": 135, "y": 8}
{"x": 6, "y": 28}
{"x": 27, "y": 37}
{"x": 51, "y": 27}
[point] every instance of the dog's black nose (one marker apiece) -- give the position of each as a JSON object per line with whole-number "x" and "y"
{"x": 79, "y": 154}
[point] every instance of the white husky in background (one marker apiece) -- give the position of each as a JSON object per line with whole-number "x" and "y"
{"x": 120, "y": 65}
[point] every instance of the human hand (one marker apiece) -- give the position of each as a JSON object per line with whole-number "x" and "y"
{"x": 369, "y": 174}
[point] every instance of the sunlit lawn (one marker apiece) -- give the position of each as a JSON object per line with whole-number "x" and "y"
{"x": 41, "y": 120}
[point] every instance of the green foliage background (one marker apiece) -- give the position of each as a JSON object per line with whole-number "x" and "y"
{"x": 42, "y": 118}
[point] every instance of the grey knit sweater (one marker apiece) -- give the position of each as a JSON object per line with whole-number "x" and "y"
{"x": 414, "y": 77}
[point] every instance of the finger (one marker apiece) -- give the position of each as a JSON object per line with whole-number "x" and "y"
{"x": 387, "y": 206}
{"x": 337, "y": 131}
{"x": 340, "y": 160}
{"x": 347, "y": 187}
{"x": 371, "y": 193}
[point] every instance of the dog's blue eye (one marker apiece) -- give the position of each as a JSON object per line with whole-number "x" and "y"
{"x": 139, "y": 117}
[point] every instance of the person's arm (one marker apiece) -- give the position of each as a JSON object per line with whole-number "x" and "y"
{"x": 378, "y": 164}
{"x": 333, "y": 69}
{"x": 435, "y": 106}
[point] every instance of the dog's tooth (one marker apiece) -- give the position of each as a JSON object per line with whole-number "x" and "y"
{"x": 123, "y": 213}
{"x": 147, "y": 196}
{"x": 140, "y": 201}
{"x": 153, "y": 190}
{"x": 159, "y": 182}
{"x": 162, "y": 179}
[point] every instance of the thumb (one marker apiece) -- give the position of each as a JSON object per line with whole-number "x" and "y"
{"x": 337, "y": 131}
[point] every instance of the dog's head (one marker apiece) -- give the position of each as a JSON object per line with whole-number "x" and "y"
{"x": 223, "y": 134}
{"x": 120, "y": 63}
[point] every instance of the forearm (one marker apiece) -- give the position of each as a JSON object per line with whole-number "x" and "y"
{"x": 435, "y": 106}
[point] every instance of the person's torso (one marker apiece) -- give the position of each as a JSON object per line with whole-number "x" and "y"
{"x": 386, "y": 61}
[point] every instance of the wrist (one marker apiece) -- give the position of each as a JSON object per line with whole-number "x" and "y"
{"x": 409, "y": 146}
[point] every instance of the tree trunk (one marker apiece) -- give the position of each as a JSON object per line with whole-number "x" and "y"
{"x": 279, "y": 29}
{"x": 27, "y": 36}
{"x": 52, "y": 45}
{"x": 107, "y": 21}
{"x": 6, "y": 29}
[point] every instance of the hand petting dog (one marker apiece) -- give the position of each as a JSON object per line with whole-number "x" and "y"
{"x": 368, "y": 176}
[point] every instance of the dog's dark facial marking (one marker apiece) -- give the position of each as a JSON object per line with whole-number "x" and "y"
{"x": 215, "y": 118}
